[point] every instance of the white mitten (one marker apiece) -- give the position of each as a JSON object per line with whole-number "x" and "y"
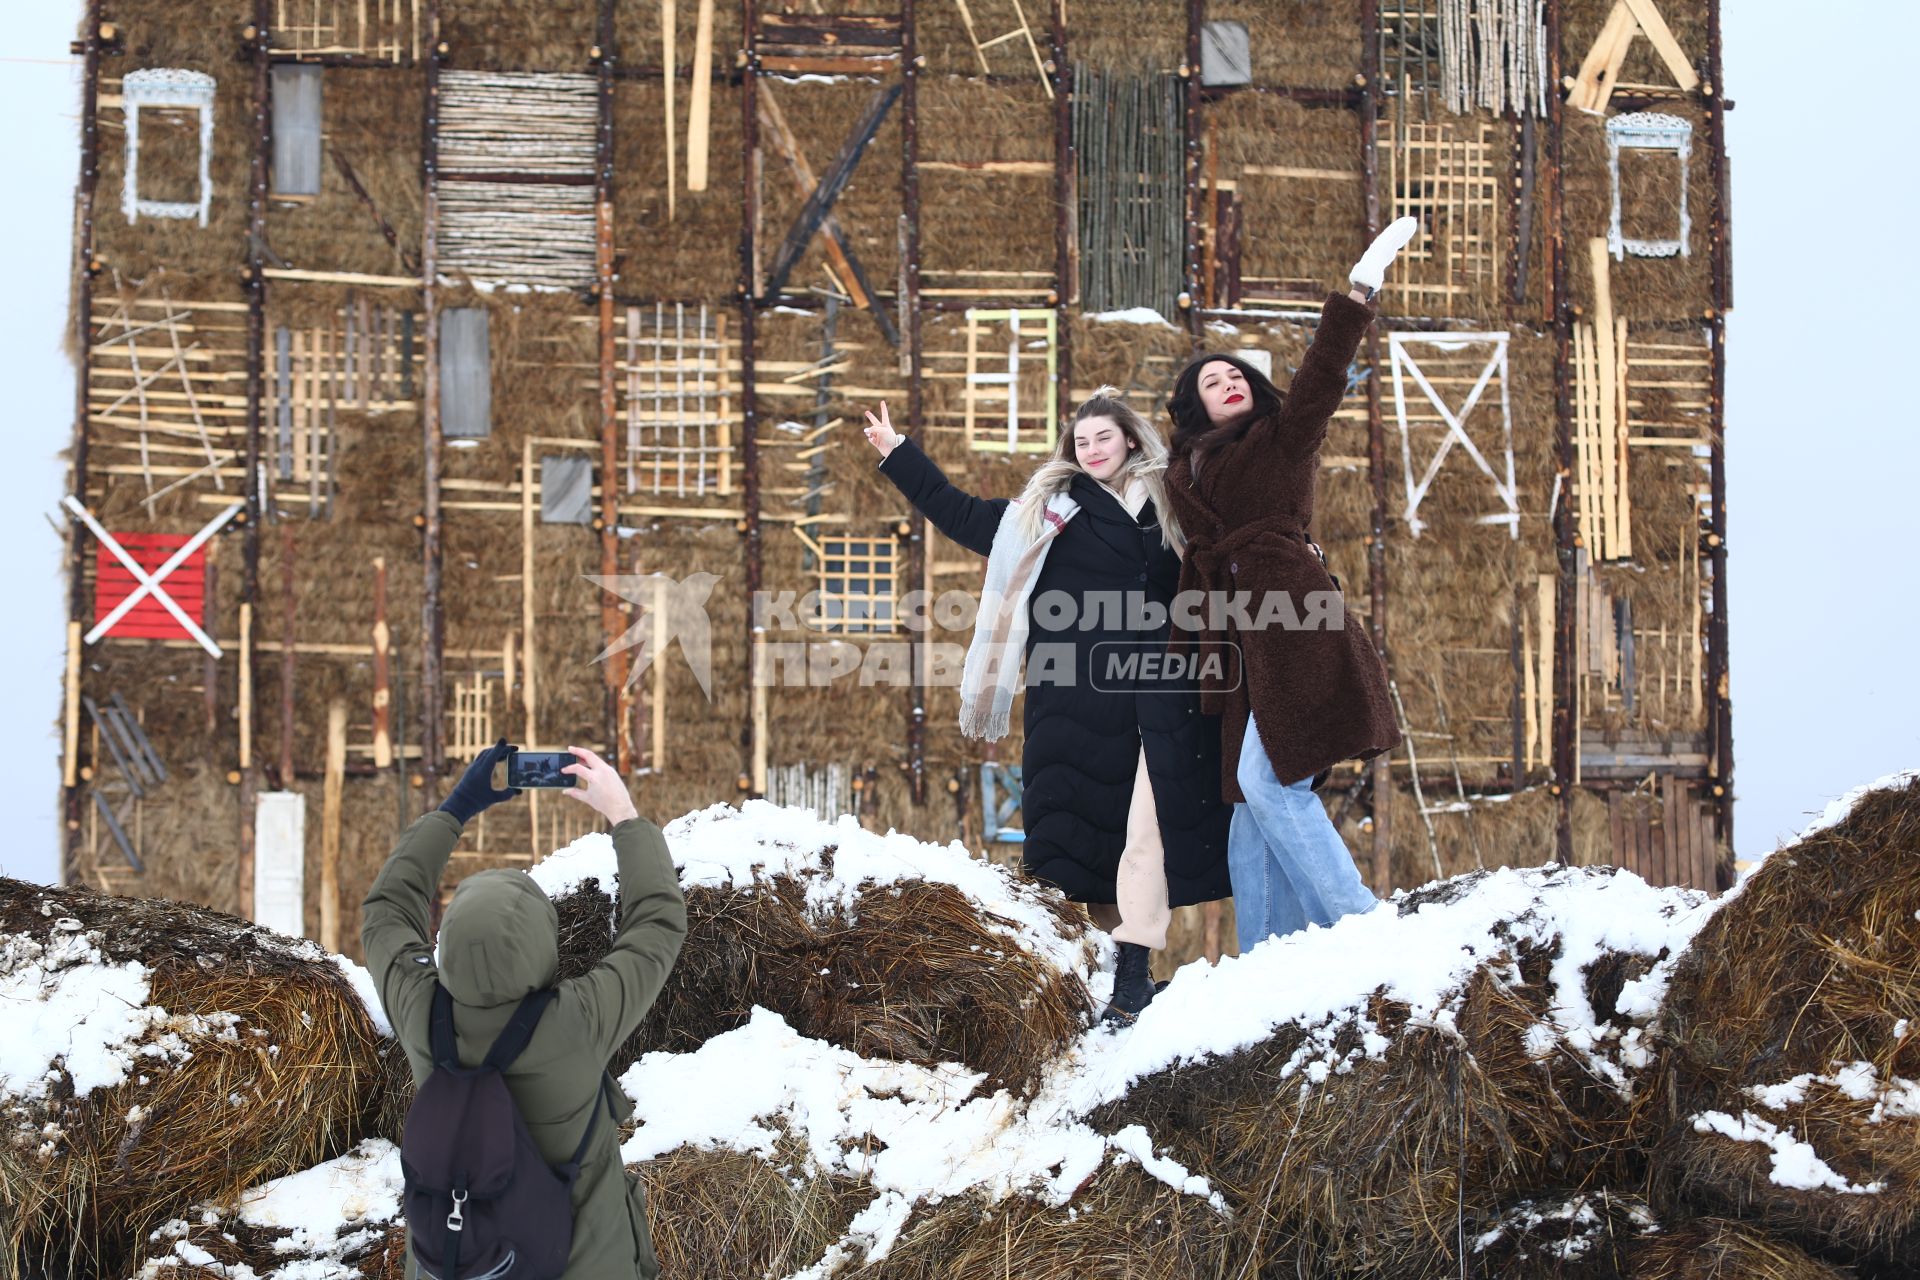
{"x": 1371, "y": 271}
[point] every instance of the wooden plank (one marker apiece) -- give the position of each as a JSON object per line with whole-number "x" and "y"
{"x": 667, "y": 34}
{"x": 697, "y": 114}
{"x": 1297, "y": 171}
{"x": 246, "y": 683}
{"x": 1619, "y": 24}
{"x": 828, "y": 66}
{"x": 820, "y": 204}
{"x": 1615, "y": 833}
{"x": 331, "y": 796}
{"x": 69, "y": 772}
{"x": 1655, "y": 28}
{"x": 382, "y": 678}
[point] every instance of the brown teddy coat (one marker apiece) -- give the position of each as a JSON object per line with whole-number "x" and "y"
{"x": 1319, "y": 696}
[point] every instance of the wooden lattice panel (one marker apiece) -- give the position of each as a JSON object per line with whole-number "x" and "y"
{"x": 858, "y": 582}
{"x": 1012, "y": 404}
{"x": 516, "y": 173}
{"x": 385, "y": 30}
{"x": 166, "y": 393}
{"x": 679, "y": 401}
{"x": 1451, "y": 175}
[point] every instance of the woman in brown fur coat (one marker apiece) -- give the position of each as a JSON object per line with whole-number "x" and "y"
{"x": 1296, "y": 680}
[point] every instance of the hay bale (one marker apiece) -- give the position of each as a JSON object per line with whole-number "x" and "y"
{"x": 896, "y": 1163}
{"x": 337, "y": 1220}
{"x": 893, "y": 948}
{"x": 1580, "y": 1235}
{"x": 158, "y": 1055}
{"x": 1794, "y": 1020}
{"x": 1122, "y": 1225}
{"x": 1362, "y": 1093}
{"x": 1721, "y": 1249}
{"x": 727, "y": 1213}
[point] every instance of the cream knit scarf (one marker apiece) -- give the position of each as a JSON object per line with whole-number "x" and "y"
{"x": 991, "y": 675}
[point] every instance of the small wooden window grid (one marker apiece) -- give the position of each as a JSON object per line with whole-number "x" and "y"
{"x": 383, "y": 30}
{"x": 677, "y": 399}
{"x": 166, "y": 393}
{"x": 1451, "y": 175}
{"x": 1025, "y": 393}
{"x": 858, "y": 582}
{"x": 470, "y": 718}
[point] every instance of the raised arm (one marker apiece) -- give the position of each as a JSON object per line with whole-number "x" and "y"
{"x": 968, "y": 520}
{"x": 1320, "y": 383}
{"x": 616, "y": 993}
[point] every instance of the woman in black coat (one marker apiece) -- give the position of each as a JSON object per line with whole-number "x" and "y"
{"x": 1121, "y": 789}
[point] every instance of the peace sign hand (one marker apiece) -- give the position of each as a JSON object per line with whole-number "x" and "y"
{"x": 880, "y": 432}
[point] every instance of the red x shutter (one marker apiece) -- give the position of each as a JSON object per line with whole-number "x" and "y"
{"x": 149, "y": 619}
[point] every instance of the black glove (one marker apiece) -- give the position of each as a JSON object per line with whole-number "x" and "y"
{"x": 475, "y": 790}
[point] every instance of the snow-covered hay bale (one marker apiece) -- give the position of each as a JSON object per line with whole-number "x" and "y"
{"x": 157, "y": 1054}
{"x": 894, "y": 948}
{"x": 339, "y": 1220}
{"x": 1795, "y": 1024}
{"x": 1123, "y": 1224}
{"x": 1361, "y": 1095}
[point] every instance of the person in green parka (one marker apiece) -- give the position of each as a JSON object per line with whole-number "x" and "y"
{"x": 498, "y": 941}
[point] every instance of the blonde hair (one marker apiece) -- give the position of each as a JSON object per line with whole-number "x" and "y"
{"x": 1146, "y": 459}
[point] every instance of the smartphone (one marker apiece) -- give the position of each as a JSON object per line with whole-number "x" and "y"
{"x": 541, "y": 769}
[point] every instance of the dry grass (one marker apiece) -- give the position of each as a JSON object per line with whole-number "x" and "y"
{"x": 1122, "y": 1225}
{"x": 909, "y": 973}
{"x": 1722, "y": 1249}
{"x": 1377, "y": 1170}
{"x": 1815, "y": 965}
{"x": 300, "y": 1077}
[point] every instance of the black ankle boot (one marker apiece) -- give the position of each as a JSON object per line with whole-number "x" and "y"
{"x": 1133, "y": 988}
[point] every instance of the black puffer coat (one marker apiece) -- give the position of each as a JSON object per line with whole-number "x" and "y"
{"x": 1083, "y": 739}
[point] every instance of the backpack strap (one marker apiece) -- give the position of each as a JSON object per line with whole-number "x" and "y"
{"x": 440, "y": 1030}
{"x": 519, "y": 1029}
{"x": 571, "y": 1169}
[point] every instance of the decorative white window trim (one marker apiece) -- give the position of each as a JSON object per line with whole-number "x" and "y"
{"x": 1648, "y": 131}
{"x": 1454, "y": 420}
{"x": 166, "y": 87}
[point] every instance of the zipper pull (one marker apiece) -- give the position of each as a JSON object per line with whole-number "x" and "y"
{"x": 454, "y": 1220}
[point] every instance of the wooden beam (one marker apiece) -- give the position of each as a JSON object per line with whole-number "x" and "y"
{"x": 1655, "y": 28}
{"x": 330, "y": 802}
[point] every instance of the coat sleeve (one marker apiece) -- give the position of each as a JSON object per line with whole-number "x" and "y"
{"x": 1320, "y": 383}
{"x": 394, "y": 917}
{"x": 968, "y": 520}
{"x": 617, "y": 992}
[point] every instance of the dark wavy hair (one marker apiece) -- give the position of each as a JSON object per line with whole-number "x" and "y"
{"x": 1194, "y": 432}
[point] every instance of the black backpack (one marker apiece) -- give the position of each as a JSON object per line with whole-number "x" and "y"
{"x": 481, "y": 1202}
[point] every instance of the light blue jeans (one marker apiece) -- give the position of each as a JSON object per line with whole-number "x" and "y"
{"x": 1290, "y": 867}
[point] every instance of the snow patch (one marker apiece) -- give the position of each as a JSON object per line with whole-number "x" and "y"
{"x": 1795, "y": 1164}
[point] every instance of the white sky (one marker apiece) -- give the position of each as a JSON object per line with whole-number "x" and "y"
{"x": 1821, "y": 454}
